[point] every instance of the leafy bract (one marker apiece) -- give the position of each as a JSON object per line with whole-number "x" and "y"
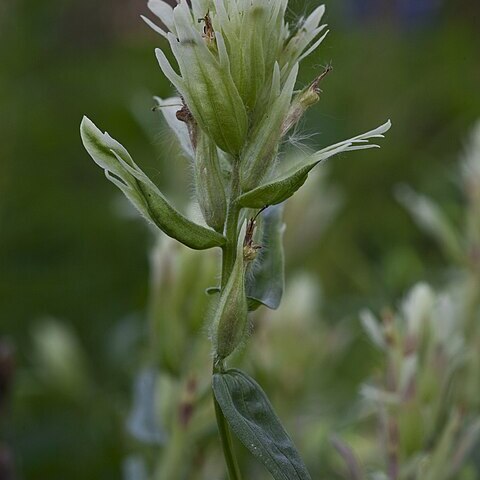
{"x": 265, "y": 280}
{"x": 122, "y": 171}
{"x": 282, "y": 187}
{"x": 252, "y": 419}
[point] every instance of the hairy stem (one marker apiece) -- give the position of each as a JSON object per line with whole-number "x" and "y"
{"x": 231, "y": 229}
{"x": 228, "y": 260}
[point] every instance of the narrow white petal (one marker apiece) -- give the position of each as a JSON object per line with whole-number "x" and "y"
{"x": 154, "y": 27}
{"x": 362, "y": 147}
{"x": 315, "y": 45}
{"x": 275, "y": 91}
{"x": 350, "y": 144}
{"x": 291, "y": 80}
{"x": 314, "y": 18}
{"x": 163, "y": 11}
{"x": 168, "y": 71}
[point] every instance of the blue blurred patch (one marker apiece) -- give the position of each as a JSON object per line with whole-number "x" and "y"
{"x": 406, "y": 13}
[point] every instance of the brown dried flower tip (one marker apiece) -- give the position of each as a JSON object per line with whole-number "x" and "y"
{"x": 250, "y": 249}
{"x": 315, "y": 84}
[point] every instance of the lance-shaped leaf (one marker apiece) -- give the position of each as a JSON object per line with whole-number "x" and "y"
{"x": 252, "y": 419}
{"x": 266, "y": 276}
{"x": 285, "y": 185}
{"x": 122, "y": 171}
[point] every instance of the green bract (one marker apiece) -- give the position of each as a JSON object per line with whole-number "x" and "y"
{"x": 122, "y": 171}
{"x": 261, "y": 148}
{"x": 285, "y": 184}
{"x": 265, "y": 280}
{"x": 209, "y": 183}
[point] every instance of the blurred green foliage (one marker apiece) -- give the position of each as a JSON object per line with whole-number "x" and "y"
{"x": 69, "y": 249}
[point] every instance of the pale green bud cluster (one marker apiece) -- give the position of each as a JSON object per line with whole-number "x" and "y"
{"x": 238, "y": 65}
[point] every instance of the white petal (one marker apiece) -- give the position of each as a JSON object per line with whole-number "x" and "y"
{"x": 350, "y": 144}
{"x": 168, "y": 71}
{"x": 164, "y": 12}
{"x": 315, "y": 45}
{"x": 154, "y": 27}
{"x": 314, "y": 18}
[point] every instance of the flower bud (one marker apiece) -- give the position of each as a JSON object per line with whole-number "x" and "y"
{"x": 262, "y": 146}
{"x": 205, "y": 81}
{"x": 303, "y": 101}
{"x": 254, "y": 34}
{"x": 230, "y": 322}
{"x": 209, "y": 185}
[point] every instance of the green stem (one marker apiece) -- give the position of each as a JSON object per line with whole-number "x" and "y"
{"x": 227, "y": 444}
{"x": 228, "y": 260}
{"x": 231, "y": 229}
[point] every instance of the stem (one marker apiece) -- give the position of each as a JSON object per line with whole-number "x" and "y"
{"x": 230, "y": 249}
{"x": 228, "y": 260}
{"x": 227, "y": 444}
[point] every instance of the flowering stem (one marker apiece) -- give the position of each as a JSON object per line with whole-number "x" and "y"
{"x": 228, "y": 260}
{"x": 230, "y": 249}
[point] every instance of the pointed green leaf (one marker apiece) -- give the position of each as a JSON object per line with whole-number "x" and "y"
{"x": 122, "y": 171}
{"x": 252, "y": 419}
{"x": 265, "y": 277}
{"x": 285, "y": 185}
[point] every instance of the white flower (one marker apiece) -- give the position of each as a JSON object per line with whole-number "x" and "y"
{"x": 228, "y": 52}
